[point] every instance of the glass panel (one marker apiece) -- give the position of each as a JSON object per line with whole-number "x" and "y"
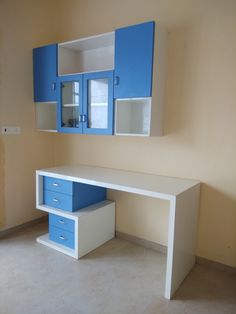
{"x": 98, "y": 103}
{"x": 70, "y": 104}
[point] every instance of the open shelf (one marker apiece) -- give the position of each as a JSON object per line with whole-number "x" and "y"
{"x": 46, "y": 116}
{"x": 133, "y": 117}
{"x": 91, "y": 54}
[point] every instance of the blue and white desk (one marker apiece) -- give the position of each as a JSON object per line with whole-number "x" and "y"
{"x": 182, "y": 194}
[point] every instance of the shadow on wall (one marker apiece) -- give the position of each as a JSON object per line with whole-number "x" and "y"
{"x": 2, "y": 180}
{"x": 217, "y": 232}
{"x": 182, "y": 81}
{"x": 175, "y": 81}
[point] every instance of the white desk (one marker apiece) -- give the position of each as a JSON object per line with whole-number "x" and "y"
{"x": 183, "y": 195}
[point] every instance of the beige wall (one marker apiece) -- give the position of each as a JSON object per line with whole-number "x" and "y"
{"x": 200, "y": 116}
{"x": 200, "y": 113}
{"x": 23, "y": 25}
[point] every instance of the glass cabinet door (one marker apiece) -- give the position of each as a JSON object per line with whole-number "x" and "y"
{"x": 70, "y": 105}
{"x": 98, "y": 103}
{"x": 85, "y": 103}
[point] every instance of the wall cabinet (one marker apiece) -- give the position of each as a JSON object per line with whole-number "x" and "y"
{"x": 87, "y": 91}
{"x": 85, "y": 103}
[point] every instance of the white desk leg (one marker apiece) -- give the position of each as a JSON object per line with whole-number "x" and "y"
{"x": 182, "y": 233}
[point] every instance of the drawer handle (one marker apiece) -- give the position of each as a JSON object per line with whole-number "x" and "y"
{"x": 62, "y": 238}
{"x": 83, "y": 118}
{"x": 61, "y": 221}
{"x": 55, "y": 184}
{"x": 55, "y": 200}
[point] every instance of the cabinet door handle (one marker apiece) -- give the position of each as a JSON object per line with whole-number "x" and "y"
{"x": 84, "y": 118}
{"x": 116, "y": 80}
{"x": 62, "y": 238}
{"x": 55, "y": 184}
{"x": 55, "y": 200}
{"x": 53, "y": 86}
{"x": 61, "y": 221}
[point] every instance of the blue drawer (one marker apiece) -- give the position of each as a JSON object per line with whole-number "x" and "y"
{"x": 58, "y": 185}
{"x": 58, "y": 200}
{"x": 69, "y": 195}
{"x": 62, "y": 222}
{"x": 62, "y": 237}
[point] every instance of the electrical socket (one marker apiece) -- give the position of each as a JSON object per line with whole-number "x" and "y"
{"x": 10, "y": 130}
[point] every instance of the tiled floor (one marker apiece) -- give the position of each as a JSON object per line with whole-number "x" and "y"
{"x": 117, "y": 278}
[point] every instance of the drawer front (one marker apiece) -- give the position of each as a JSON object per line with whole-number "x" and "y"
{"x": 58, "y": 185}
{"x": 62, "y": 222}
{"x": 62, "y": 237}
{"x": 58, "y": 200}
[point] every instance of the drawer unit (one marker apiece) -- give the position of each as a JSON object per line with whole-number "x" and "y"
{"x": 62, "y": 222}
{"x": 80, "y": 232}
{"x": 69, "y": 195}
{"x": 61, "y": 236}
{"x": 58, "y": 185}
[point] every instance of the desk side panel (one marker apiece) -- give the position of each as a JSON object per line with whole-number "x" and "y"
{"x": 96, "y": 228}
{"x": 182, "y": 238}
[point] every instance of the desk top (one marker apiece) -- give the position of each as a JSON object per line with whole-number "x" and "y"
{"x": 133, "y": 182}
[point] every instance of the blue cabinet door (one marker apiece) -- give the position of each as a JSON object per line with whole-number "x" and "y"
{"x": 45, "y": 73}
{"x": 98, "y": 103}
{"x": 134, "y": 47}
{"x": 70, "y": 106}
